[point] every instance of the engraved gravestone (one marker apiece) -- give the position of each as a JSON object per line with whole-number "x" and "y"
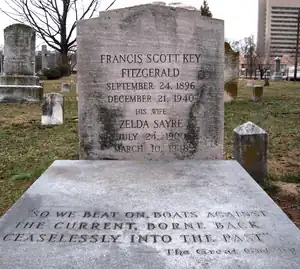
{"x": 19, "y": 50}
{"x": 53, "y": 109}
{"x": 18, "y": 84}
{"x": 150, "y": 84}
{"x": 147, "y": 215}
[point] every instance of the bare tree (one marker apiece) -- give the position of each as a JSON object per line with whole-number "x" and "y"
{"x": 235, "y": 44}
{"x": 54, "y": 20}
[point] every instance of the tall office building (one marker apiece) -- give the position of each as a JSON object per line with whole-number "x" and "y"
{"x": 277, "y": 27}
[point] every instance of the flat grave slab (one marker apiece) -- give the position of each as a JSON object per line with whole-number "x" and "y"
{"x": 147, "y": 215}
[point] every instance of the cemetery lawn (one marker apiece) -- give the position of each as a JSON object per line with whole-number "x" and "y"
{"x": 27, "y": 148}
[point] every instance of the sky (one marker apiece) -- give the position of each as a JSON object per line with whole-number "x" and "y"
{"x": 240, "y": 16}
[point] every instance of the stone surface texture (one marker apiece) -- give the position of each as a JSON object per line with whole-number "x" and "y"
{"x": 65, "y": 87}
{"x": 250, "y": 147}
{"x": 150, "y": 84}
{"x": 53, "y": 109}
{"x": 231, "y": 74}
{"x": 257, "y": 93}
{"x": 193, "y": 214}
{"x": 19, "y": 50}
{"x": 45, "y": 56}
{"x": 249, "y": 83}
{"x": 18, "y": 83}
{"x": 277, "y": 74}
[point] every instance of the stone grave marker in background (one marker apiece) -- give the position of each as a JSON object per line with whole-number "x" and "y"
{"x": 249, "y": 83}
{"x": 65, "y": 87}
{"x": 18, "y": 83}
{"x": 250, "y": 147}
{"x": 257, "y": 93}
{"x": 231, "y": 74}
{"x": 53, "y": 109}
{"x": 150, "y": 85}
{"x": 277, "y": 74}
{"x": 1, "y": 61}
{"x": 45, "y": 56}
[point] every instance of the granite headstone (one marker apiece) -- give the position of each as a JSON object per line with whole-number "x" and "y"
{"x": 147, "y": 215}
{"x": 65, "y": 87}
{"x": 150, "y": 84}
{"x": 250, "y": 148}
{"x": 18, "y": 84}
{"x": 53, "y": 109}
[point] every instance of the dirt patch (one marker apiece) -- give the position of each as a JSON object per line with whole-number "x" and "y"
{"x": 291, "y": 206}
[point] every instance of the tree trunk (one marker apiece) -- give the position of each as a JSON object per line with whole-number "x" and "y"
{"x": 65, "y": 66}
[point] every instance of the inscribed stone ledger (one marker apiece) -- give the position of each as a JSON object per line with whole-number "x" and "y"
{"x": 186, "y": 214}
{"x": 151, "y": 84}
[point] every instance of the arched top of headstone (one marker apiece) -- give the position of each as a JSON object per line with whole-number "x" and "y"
{"x": 21, "y": 26}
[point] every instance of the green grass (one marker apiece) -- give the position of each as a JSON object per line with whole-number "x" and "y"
{"x": 27, "y": 148}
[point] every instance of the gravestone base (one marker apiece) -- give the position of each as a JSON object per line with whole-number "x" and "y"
{"x": 277, "y": 76}
{"x": 20, "y": 89}
{"x": 11, "y": 94}
{"x": 19, "y": 80}
{"x": 147, "y": 215}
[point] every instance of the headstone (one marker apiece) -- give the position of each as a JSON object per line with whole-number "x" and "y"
{"x": 53, "y": 109}
{"x": 257, "y": 93}
{"x": 65, "y": 87}
{"x": 1, "y": 61}
{"x": 266, "y": 82}
{"x": 277, "y": 75}
{"x": 45, "y": 56}
{"x": 249, "y": 83}
{"x": 19, "y": 50}
{"x": 148, "y": 215}
{"x": 18, "y": 83}
{"x": 257, "y": 74}
{"x": 150, "y": 84}
{"x": 231, "y": 74}
{"x": 250, "y": 146}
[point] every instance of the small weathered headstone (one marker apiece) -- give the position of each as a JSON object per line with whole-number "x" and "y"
{"x": 148, "y": 215}
{"x": 277, "y": 75}
{"x": 231, "y": 74}
{"x": 45, "y": 56}
{"x": 65, "y": 87}
{"x": 150, "y": 84}
{"x": 249, "y": 83}
{"x": 266, "y": 82}
{"x": 257, "y": 93}
{"x": 250, "y": 145}
{"x": 53, "y": 109}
